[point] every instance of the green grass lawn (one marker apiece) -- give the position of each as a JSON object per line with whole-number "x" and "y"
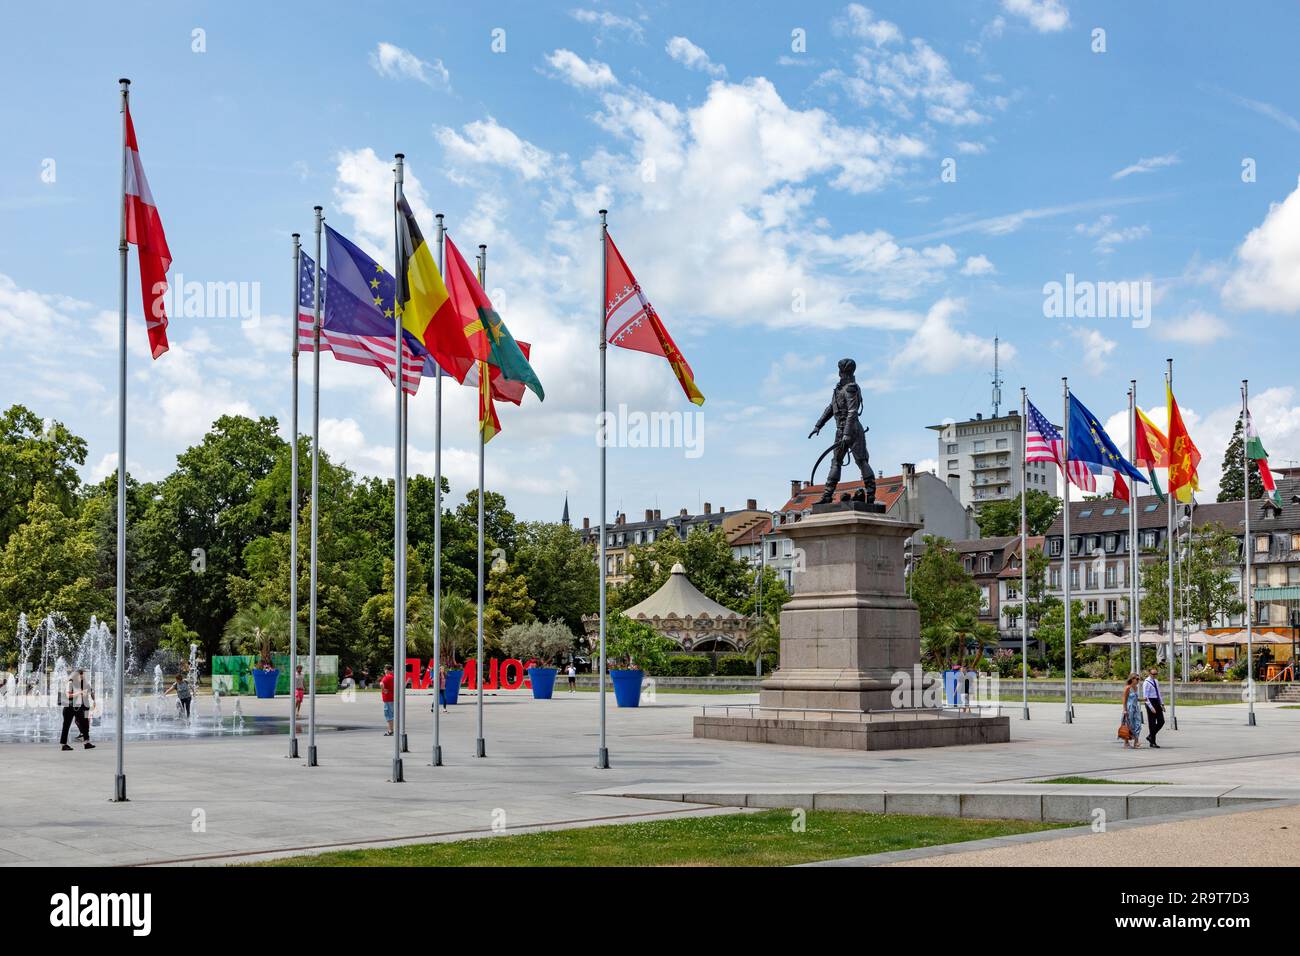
{"x": 1131, "y": 783}
{"x": 766, "y": 838}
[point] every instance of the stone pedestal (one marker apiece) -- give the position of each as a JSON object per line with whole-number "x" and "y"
{"x": 848, "y": 630}
{"x": 850, "y": 626}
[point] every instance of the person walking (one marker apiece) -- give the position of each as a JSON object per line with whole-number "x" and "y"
{"x": 963, "y": 689}
{"x": 1155, "y": 705}
{"x": 298, "y": 690}
{"x": 386, "y": 696}
{"x": 184, "y": 693}
{"x": 1131, "y": 717}
{"x": 77, "y": 701}
{"x": 572, "y": 673}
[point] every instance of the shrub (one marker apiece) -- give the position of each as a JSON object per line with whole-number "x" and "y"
{"x": 542, "y": 642}
{"x": 735, "y": 665}
{"x": 636, "y": 645}
{"x": 686, "y": 665}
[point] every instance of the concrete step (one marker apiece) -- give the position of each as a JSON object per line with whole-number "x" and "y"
{"x": 1056, "y": 803}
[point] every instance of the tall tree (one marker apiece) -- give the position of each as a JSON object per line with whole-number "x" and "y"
{"x": 34, "y": 452}
{"x": 1000, "y": 518}
{"x": 563, "y": 579}
{"x": 944, "y": 591}
{"x": 1230, "y": 481}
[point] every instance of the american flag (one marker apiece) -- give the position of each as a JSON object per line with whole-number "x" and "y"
{"x": 374, "y": 350}
{"x": 1043, "y": 442}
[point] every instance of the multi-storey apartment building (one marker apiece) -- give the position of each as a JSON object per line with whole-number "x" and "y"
{"x": 980, "y": 460}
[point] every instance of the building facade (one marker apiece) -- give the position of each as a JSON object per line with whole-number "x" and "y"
{"x": 980, "y": 460}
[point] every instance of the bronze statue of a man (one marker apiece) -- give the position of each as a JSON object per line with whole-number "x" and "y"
{"x": 850, "y": 434}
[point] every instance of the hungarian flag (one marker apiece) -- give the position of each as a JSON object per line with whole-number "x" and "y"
{"x": 144, "y": 229}
{"x": 1183, "y": 456}
{"x": 489, "y": 339}
{"x": 1152, "y": 450}
{"x": 631, "y": 322}
{"x": 1255, "y": 450}
{"x": 423, "y": 301}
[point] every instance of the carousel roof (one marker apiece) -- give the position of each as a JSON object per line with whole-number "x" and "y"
{"x": 680, "y": 598}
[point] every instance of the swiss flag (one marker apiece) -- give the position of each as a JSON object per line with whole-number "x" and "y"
{"x": 144, "y": 229}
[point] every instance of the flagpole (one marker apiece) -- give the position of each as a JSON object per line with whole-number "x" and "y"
{"x": 480, "y": 746}
{"x": 1069, "y": 610}
{"x": 293, "y": 507}
{"x": 602, "y": 751}
{"x": 437, "y": 538}
{"x": 1249, "y": 585}
{"x": 399, "y": 667}
{"x": 315, "y": 504}
{"x": 1173, "y": 692}
{"x": 119, "y": 781}
{"x": 1024, "y": 555}
{"x": 1134, "y": 599}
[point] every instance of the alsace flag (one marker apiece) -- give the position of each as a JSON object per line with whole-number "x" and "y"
{"x": 144, "y": 229}
{"x": 1255, "y": 450}
{"x": 631, "y": 322}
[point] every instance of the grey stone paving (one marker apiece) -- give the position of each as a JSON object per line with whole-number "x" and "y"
{"x": 54, "y": 806}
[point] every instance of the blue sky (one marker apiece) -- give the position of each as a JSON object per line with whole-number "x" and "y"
{"x": 782, "y": 207}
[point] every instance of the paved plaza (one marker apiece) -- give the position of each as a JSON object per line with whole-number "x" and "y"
{"x": 221, "y": 800}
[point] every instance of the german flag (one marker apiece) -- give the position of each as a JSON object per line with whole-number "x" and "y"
{"x": 427, "y": 310}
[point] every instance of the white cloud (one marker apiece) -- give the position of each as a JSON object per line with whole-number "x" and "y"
{"x": 693, "y": 57}
{"x": 978, "y": 266}
{"x": 584, "y": 74}
{"x": 902, "y": 76}
{"x": 1108, "y": 235}
{"x": 1197, "y": 327}
{"x": 1045, "y": 16}
{"x": 1267, "y": 272}
{"x": 396, "y": 63}
{"x": 488, "y": 142}
{"x": 1096, "y": 349}
{"x": 363, "y": 191}
{"x": 1148, "y": 164}
{"x": 938, "y": 346}
{"x": 608, "y": 21}
{"x": 1011, "y": 222}
{"x": 967, "y": 148}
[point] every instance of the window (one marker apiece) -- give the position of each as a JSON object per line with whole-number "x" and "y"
{"x": 1074, "y": 579}
{"x": 1002, "y": 443}
{"x": 1112, "y": 543}
{"x": 952, "y": 449}
{"x": 1013, "y": 591}
{"x": 1148, "y": 539}
{"x": 1092, "y": 579}
{"x": 1055, "y": 547}
{"x": 985, "y": 563}
{"x": 789, "y": 547}
{"x": 1085, "y": 513}
{"x": 638, "y": 537}
{"x": 952, "y": 464}
{"x": 1054, "y": 579}
{"x": 772, "y": 550}
{"x": 1074, "y": 545}
{"x": 1111, "y": 578}
{"x": 979, "y": 446}
{"x": 1108, "y": 512}
{"x": 1295, "y": 542}
{"x": 1261, "y": 544}
{"x": 1151, "y": 507}
{"x": 1092, "y": 608}
{"x": 1112, "y": 610}
{"x": 1293, "y": 575}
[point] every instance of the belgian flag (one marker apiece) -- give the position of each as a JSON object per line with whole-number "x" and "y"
{"x": 427, "y": 310}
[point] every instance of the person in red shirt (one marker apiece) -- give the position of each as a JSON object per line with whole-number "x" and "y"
{"x": 386, "y": 695}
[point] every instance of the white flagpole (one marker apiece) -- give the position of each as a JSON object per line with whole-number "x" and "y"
{"x": 399, "y": 666}
{"x": 119, "y": 781}
{"x": 1169, "y": 534}
{"x": 1134, "y": 600}
{"x": 602, "y": 751}
{"x": 315, "y": 504}
{"x": 1247, "y": 547}
{"x": 293, "y": 508}
{"x": 480, "y": 746}
{"x": 1069, "y": 610}
{"x": 1024, "y": 555}
{"x": 437, "y": 538}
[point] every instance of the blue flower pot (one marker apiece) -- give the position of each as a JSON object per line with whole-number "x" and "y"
{"x": 452, "y": 691}
{"x": 264, "y": 682}
{"x": 543, "y": 680}
{"x": 627, "y": 687}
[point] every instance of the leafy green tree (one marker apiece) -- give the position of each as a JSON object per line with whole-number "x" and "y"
{"x": 1231, "y": 479}
{"x": 765, "y": 639}
{"x": 459, "y": 633}
{"x": 48, "y": 565}
{"x": 1051, "y": 631}
{"x": 177, "y": 638}
{"x": 34, "y": 453}
{"x": 1001, "y": 518}
{"x": 507, "y": 602}
{"x": 562, "y": 576}
{"x": 543, "y": 641}
{"x": 941, "y": 586}
{"x": 960, "y": 639}
{"x": 636, "y": 645}
{"x": 1205, "y": 575}
{"x": 257, "y": 629}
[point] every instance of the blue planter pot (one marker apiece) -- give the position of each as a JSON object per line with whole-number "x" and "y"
{"x": 452, "y": 691}
{"x": 627, "y": 687}
{"x": 543, "y": 680}
{"x": 264, "y": 682}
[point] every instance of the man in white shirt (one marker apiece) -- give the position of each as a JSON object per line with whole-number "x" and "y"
{"x": 573, "y": 678}
{"x": 1155, "y": 706}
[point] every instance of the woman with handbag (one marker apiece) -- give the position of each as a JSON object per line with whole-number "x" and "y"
{"x": 1130, "y": 725}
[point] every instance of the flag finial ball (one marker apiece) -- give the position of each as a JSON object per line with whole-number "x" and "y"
{"x": 123, "y": 80}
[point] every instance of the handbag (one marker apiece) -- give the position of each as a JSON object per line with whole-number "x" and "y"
{"x": 1124, "y": 732}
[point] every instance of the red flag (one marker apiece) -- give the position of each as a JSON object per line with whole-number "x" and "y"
{"x": 631, "y": 322}
{"x": 144, "y": 229}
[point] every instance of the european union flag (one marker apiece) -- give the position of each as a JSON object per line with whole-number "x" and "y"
{"x": 361, "y": 296}
{"x": 1090, "y": 444}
